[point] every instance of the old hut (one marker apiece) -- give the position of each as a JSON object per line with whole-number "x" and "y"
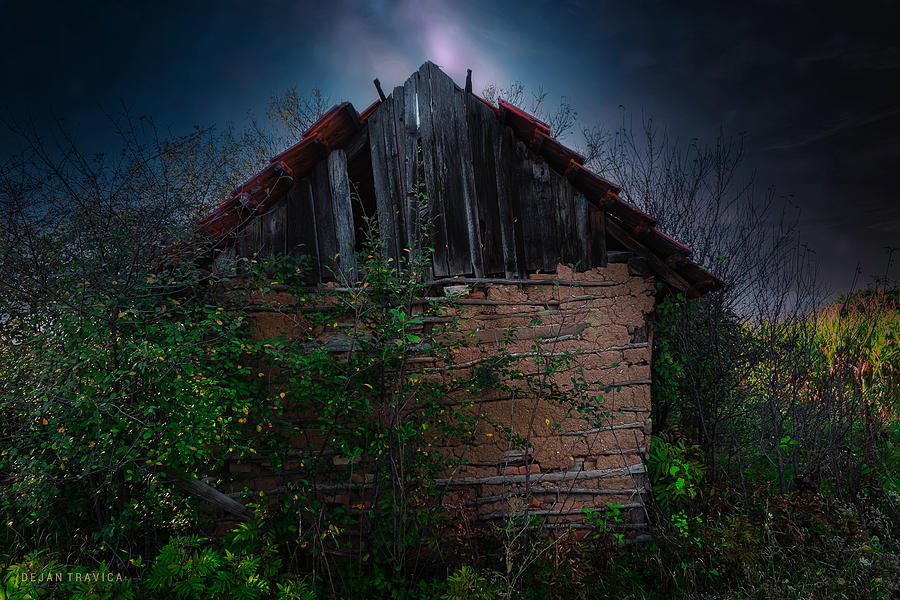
{"x": 513, "y": 210}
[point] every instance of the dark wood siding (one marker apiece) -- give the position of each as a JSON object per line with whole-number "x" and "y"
{"x": 494, "y": 207}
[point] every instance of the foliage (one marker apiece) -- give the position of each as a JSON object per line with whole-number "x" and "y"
{"x": 606, "y": 520}
{"x": 467, "y": 583}
{"x": 803, "y": 545}
{"x": 375, "y": 411}
{"x": 125, "y": 369}
{"x": 292, "y": 113}
{"x": 675, "y": 470}
{"x": 118, "y": 357}
{"x": 187, "y": 567}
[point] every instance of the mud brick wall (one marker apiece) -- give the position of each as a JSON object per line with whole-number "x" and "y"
{"x": 567, "y": 463}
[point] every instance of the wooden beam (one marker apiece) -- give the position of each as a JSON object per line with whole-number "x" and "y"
{"x": 510, "y": 281}
{"x": 204, "y": 491}
{"x": 468, "y": 81}
{"x": 676, "y": 260}
{"x": 642, "y": 227}
{"x": 659, "y": 266}
{"x": 358, "y": 143}
{"x": 538, "y": 478}
{"x": 378, "y": 89}
{"x": 619, "y": 256}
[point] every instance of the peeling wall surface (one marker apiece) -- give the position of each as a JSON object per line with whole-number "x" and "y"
{"x": 570, "y": 463}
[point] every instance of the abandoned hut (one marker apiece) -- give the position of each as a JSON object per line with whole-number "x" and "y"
{"x": 518, "y": 219}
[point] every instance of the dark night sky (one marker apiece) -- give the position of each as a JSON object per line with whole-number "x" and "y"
{"x": 814, "y": 87}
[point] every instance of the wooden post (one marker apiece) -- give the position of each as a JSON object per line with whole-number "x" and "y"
{"x": 378, "y": 89}
{"x": 343, "y": 215}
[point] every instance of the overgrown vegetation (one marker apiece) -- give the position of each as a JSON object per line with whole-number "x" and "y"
{"x": 774, "y": 463}
{"x": 128, "y": 375}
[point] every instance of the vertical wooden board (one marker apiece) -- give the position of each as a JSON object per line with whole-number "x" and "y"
{"x": 301, "y": 239}
{"x": 272, "y": 230}
{"x": 401, "y": 165}
{"x": 263, "y": 246}
{"x": 433, "y": 177}
{"x": 530, "y": 204}
{"x": 583, "y": 233}
{"x": 485, "y": 133}
{"x": 469, "y": 198}
{"x": 345, "y": 234}
{"x": 448, "y": 171}
{"x": 250, "y": 237}
{"x": 565, "y": 220}
{"x": 545, "y": 191}
{"x": 409, "y": 142}
{"x": 599, "y": 256}
{"x": 325, "y": 229}
{"x": 395, "y": 176}
{"x": 240, "y": 241}
{"x": 381, "y": 136}
{"x": 508, "y": 206}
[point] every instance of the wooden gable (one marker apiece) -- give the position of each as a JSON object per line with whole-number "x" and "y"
{"x": 503, "y": 197}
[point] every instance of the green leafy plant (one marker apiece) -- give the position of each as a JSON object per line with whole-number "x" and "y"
{"x": 674, "y": 470}
{"x": 606, "y": 521}
{"x": 466, "y": 583}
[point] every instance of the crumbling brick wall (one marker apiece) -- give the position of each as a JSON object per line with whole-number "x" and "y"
{"x": 568, "y": 463}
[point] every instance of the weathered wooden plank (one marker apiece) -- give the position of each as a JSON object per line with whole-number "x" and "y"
{"x": 565, "y": 221}
{"x": 301, "y": 235}
{"x": 249, "y": 237}
{"x": 204, "y": 491}
{"x": 469, "y": 198}
{"x": 545, "y": 188}
{"x": 414, "y": 215}
{"x": 433, "y": 176}
{"x": 662, "y": 270}
{"x": 400, "y": 191}
{"x": 583, "y": 233}
{"x": 381, "y": 137}
{"x": 447, "y": 165}
{"x": 541, "y": 477}
{"x": 484, "y": 133}
{"x": 395, "y": 135}
{"x": 325, "y": 230}
{"x": 599, "y": 257}
{"x": 530, "y": 204}
{"x": 509, "y": 208}
{"x": 357, "y": 143}
{"x": 343, "y": 217}
{"x": 272, "y": 230}
{"x": 521, "y": 282}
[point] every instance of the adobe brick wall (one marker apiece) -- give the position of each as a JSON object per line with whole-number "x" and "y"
{"x": 568, "y": 463}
